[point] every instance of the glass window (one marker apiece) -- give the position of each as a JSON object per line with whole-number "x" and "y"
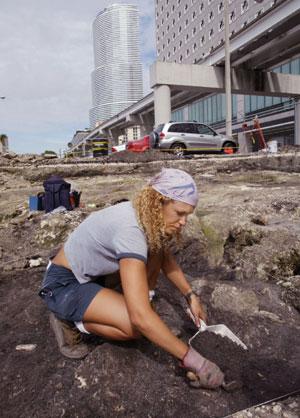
{"x": 189, "y": 128}
{"x": 223, "y": 107}
{"x": 205, "y": 130}
{"x": 201, "y": 111}
{"x": 276, "y": 100}
{"x": 253, "y": 103}
{"x": 205, "y": 105}
{"x": 182, "y": 128}
{"x": 218, "y": 107}
{"x": 247, "y": 104}
{"x": 260, "y": 102}
{"x": 234, "y": 105}
{"x": 177, "y": 115}
{"x": 285, "y": 68}
{"x": 176, "y": 127}
{"x": 214, "y": 108}
{"x": 295, "y": 66}
{"x": 268, "y": 101}
{"x": 209, "y": 110}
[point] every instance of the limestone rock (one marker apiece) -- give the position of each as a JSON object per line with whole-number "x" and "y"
{"x": 291, "y": 294}
{"x": 55, "y": 228}
{"x": 230, "y": 298}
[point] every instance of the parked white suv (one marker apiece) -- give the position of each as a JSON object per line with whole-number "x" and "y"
{"x": 192, "y": 137}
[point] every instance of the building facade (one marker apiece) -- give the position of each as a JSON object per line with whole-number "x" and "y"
{"x": 117, "y": 80}
{"x": 188, "y": 31}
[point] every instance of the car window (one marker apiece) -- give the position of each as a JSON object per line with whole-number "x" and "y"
{"x": 205, "y": 130}
{"x": 175, "y": 127}
{"x": 187, "y": 128}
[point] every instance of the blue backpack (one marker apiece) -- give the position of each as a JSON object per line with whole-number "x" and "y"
{"x": 57, "y": 193}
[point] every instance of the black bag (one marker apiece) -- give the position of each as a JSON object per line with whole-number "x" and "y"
{"x": 41, "y": 201}
{"x": 57, "y": 193}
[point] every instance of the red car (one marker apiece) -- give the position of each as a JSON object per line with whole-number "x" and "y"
{"x": 139, "y": 145}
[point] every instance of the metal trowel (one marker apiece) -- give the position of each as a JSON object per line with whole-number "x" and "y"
{"x": 219, "y": 329}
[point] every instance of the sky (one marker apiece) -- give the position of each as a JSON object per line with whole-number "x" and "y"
{"x": 46, "y": 60}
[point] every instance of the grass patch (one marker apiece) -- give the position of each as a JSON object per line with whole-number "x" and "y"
{"x": 215, "y": 243}
{"x": 257, "y": 178}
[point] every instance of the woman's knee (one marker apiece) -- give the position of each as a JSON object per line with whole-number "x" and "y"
{"x": 133, "y": 334}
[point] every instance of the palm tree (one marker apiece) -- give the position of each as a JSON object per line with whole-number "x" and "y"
{"x": 3, "y": 143}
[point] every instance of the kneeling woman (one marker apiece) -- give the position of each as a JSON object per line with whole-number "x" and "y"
{"x": 132, "y": 239}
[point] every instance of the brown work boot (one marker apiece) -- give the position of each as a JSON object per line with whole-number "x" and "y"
{"x": 68, "y": 338}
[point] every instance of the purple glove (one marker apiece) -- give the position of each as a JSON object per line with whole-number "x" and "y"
{"x": 208, "y": 373}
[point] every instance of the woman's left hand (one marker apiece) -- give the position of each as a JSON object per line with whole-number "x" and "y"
{"x": 197, "y": 310}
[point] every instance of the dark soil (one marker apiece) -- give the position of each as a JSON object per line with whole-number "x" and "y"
{"x": 136, "y": 379}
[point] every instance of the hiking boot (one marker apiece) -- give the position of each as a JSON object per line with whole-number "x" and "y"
{"x": 68, "y": 338}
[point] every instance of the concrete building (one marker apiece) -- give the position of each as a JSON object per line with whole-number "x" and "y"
{"x": 117, "y": 80}
{"x": 192, "y": 31}
{"x": 131, "y": 134}
{"x": 189, "y": 30}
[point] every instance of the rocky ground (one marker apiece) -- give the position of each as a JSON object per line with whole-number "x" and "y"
{"x": 241, "y": 252}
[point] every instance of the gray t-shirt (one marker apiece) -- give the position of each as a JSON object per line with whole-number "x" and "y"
{"x": 95, "y": 247}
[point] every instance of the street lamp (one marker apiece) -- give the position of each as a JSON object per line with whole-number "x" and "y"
{"x": 228, "y": 122}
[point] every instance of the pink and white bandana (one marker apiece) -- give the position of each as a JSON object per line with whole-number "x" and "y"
{"x": 176, "y": 184}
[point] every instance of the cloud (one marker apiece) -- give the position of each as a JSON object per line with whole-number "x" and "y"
{"x": 45, "y": 67}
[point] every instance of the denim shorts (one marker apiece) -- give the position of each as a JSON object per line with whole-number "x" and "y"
{"x": 64, "y": 295}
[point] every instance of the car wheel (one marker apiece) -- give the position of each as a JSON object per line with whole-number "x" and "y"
{"x": 229, "y": 148}
{"x": 178, "y": 149}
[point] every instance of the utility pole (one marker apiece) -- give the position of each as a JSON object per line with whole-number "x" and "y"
{"x": 227, "y": 72}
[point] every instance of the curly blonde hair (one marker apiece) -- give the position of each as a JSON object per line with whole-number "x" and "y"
{"x": 148, "y": 204}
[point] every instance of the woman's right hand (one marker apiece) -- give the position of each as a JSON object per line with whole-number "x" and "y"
{"x": 207, "y": 372}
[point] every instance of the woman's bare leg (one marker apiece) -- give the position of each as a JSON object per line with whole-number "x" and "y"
{"x": 107, "y": 316}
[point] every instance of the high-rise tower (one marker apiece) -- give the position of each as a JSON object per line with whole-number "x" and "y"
{"x": 117, "y": 81}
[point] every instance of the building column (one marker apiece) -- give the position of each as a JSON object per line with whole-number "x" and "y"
{"x": 146, "y": 125}
{"x": 114, "y": 133}
{"x": 297, "y": 122}
{"x": 162, "y": 104}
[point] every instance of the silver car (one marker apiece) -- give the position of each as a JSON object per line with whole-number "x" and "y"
{"x": 192, "y": 137}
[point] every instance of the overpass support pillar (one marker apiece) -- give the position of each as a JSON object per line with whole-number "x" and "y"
{"x": 162, "y": 104}
{"x": 114, "y": 134}
{"x": 146, "y": 124}
{"x": 297, "y": 122}
{"x": 84, "y": 149}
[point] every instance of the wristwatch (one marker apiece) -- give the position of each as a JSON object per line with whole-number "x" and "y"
{"x": 188, "y": 296}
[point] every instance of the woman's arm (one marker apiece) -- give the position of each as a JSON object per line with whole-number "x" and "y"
{"x": 174, "y": 273}
{"x": 136, "y": 292}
